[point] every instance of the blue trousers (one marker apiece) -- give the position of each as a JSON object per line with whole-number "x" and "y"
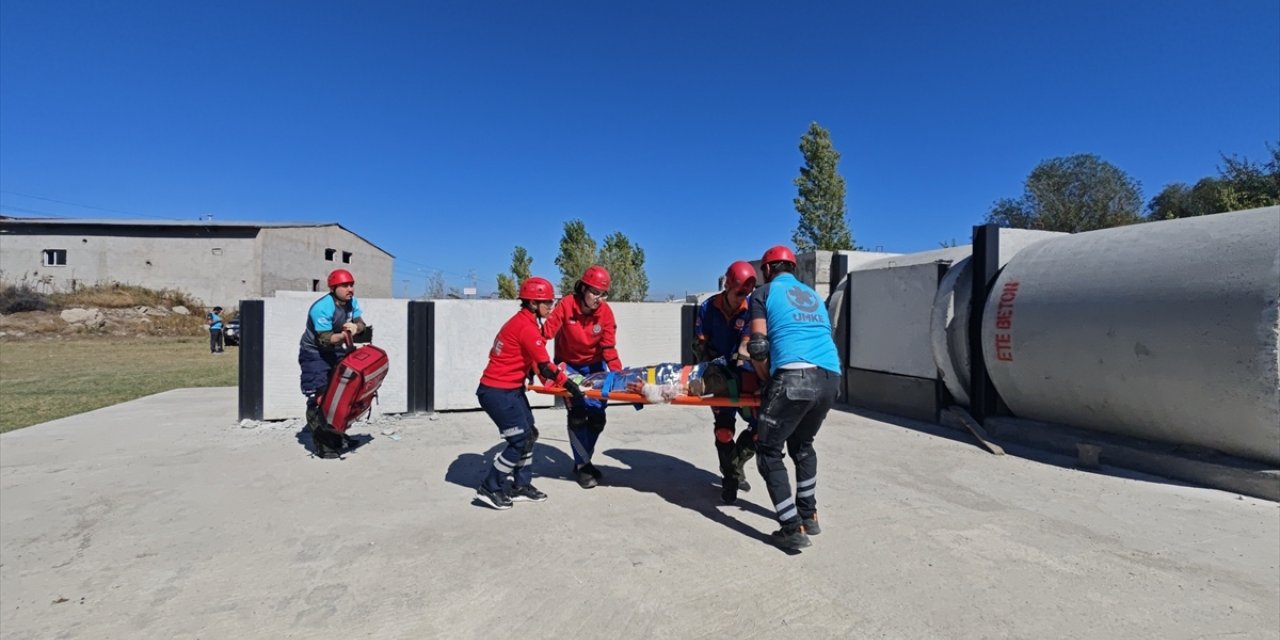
{"x": 509, "y": 410}
{"x": 586, "y": 420}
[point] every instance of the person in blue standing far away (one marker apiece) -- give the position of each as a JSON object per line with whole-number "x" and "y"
{"x": 214, "y": 321}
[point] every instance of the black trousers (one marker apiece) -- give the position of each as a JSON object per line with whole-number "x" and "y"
{"x": 215, "y": 340}
{"x": 791, "y": 412}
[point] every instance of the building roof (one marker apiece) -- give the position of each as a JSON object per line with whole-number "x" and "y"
{"x": 226, "y": 224}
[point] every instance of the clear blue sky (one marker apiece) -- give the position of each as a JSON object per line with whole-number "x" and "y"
{"x": 449, "y": 133}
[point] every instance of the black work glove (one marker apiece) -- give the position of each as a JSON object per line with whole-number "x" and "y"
{"x": 574, "y": 390}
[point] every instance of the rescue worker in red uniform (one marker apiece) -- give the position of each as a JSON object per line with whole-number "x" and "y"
{"x": 518, "y": 350}
{"x": 721, "y": 330}
{"x": 585, "y": 333}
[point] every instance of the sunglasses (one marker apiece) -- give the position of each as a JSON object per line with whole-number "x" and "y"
{"x": 597, "y": 293}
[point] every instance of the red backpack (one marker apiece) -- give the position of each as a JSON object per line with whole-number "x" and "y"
{"x": 354, "y": 386}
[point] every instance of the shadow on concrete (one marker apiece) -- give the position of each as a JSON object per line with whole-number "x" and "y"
{"x": 1107, "y": 454}
{"x": 682, "y": 484}
{"x": 308, "y": 442}
{"x": 930, "y": 428}
{"x": 469, "y": 469}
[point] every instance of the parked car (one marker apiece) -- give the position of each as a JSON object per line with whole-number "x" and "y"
{"x": 231, "y": 333}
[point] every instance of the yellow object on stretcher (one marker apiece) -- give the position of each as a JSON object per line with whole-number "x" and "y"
{"x": 706, "y": 384}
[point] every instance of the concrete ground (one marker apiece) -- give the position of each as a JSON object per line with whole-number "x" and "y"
{"x": 164, "y": 518}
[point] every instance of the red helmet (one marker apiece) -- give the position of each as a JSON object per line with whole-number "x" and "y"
{"x": 596, "y": 276}
{"x": 536, "y": 288}
{"x": 340, "y": 276}
{"x": 741, "y": 275}
{"x": 779, "y": 253}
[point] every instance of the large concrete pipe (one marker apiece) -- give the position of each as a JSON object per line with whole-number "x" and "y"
{"x": 949, "y": 329}
{"x": 949, "y": 318}
{"x": 1165, "y": 331}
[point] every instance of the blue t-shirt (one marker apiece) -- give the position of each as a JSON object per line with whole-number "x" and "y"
{"x": 326, "y": 314}
{"x": 215, "y": 321}
{"x": 722, "y": 333}
{"x": 799, "y": 327}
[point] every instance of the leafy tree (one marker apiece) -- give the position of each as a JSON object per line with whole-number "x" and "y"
{"x": 1178, "y": 200}
{"x": 820, "y": 202}
{"x": 625, "y": 263}
{"x": 1249, "y": 185}
{"x": 521, "y": 264}
{"x": 577, "y": 252}
{"x": 623, "y": 259}
{"x": 1076, "y": 193}
{"x": 1241, "y": 184}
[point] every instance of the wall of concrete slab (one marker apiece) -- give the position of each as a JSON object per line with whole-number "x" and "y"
{"x": 285, "y": 319}
{"x": 463, "y": 333}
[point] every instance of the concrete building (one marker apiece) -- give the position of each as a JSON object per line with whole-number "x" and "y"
{"x": 217, "y": 262}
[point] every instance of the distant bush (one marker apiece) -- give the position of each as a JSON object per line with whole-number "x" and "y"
{"x": 15, "y": 299}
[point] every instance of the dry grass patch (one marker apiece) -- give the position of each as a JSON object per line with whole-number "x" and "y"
{"x": 120, "y": 296}
{"x": 42, "y": 380}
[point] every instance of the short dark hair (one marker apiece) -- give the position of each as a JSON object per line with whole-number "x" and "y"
{"x": 782, "y": 266}
{"x": 217, "y": 308}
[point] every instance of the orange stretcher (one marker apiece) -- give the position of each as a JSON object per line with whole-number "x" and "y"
{"x": 623, "y": 397}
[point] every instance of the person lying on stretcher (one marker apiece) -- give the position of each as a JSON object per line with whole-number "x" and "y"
{"x": 660, "y": 383}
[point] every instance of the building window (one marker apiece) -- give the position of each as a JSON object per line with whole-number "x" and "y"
{"x": 315, "y": 285}
{"x": 346, "y": 257}
{"x": 328, "y": 254}
{"x": 55, "y": 257}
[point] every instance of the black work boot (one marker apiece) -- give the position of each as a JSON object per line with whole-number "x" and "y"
{"x": 585, "y": 479}
{"x": 810, "y": 525}
{"x": 526, "y": 493}
{"x": 729, "y": 489}
{"x": 493, "y": 499}
{"x": 790, "y": 536}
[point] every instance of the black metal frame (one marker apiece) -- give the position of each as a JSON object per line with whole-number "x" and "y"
{"x": 688, "y": 314}
{"x": 422, "y": 364}
{"x": 985, "y": 265}
{"x": 251, "y": 353}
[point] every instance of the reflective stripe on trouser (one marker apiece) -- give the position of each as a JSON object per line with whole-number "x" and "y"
{"x": 792, "y": 411}
{"x": 509, "y": 410}
{"x": 583, "y": 442}
{"x": 582, "y": 435}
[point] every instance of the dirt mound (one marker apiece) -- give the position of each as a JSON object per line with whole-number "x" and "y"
{"x": 79, "y": 321}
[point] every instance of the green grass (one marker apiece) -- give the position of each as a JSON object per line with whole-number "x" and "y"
{"x": 42, "y": 380}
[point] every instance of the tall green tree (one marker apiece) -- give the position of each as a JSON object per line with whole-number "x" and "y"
{"x": 820, "y": 201}
{"x": 521, "y": 265}
{"x": 1075, "y": 193}
{"x": 577, "y": 252}
{"x": 625, "y": 262}
{"x": 1240, "y": 184}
